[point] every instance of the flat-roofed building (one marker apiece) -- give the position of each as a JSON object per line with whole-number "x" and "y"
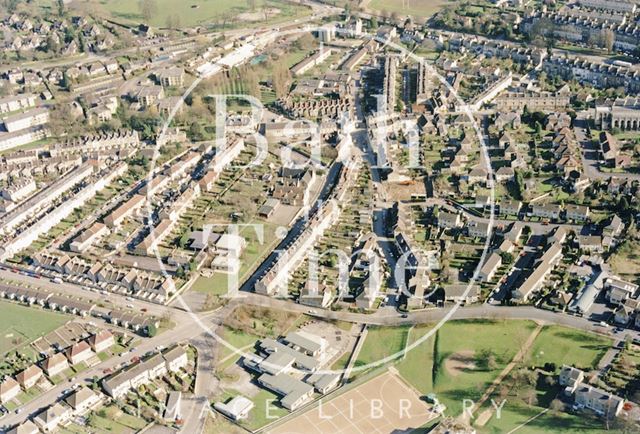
{"x": 293, "y": 392}
{"x": 18, "y": 102}
{"x": 236, "y": 408}
{"x": 29, "y": 119}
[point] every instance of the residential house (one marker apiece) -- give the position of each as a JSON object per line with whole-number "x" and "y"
{"x": 26, "y": 427}
{"x": 29, "y": 377}
{"x": 590, "y": 243}
{"x": 614, "y": 228}
{"x": 101, "y": 341}
{"x": 52, "y": 417}
{"x": 490, "y": 267}
{"x": 478, "y": 229}
{"x": 577, "y": 213}
{"x": 570, "y": 378}
{"x": 83, "y": 400}
{"x": 449, "y": 220}
{"x": 510, "y": 207}
{"x": 547, "y": 211}
{"x": 55, "y": 364}
{"x": 601, "y": 402}
{"x": 619, "y": 291}
{"x": 79, "y": 352}
{"x": 537, "y": 278}
{"x": 9, "y": 389}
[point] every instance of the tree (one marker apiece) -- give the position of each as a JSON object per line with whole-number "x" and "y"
{"x": 281, "y": 79}
{"x": 374, "y": 23}
{"x": 152, "y": 330}
{"x": 61, "y": 8}
{"x": 556, "y": 406}
{"x": 148, "y": 9}
{"x": 608, "y": 39}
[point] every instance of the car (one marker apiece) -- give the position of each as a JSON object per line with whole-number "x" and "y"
{"x": 18, "y": 410}
{"x": 311, "y": 311}
{"x": 130, "y": 306}
{"x": 404, "y": 315}
{"x": 144, "y": 309}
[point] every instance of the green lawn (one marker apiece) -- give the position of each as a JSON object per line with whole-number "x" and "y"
{"x": 516, "y": 415}
{"x": 382, "y": 342}
{"x": 20, "y": 325}
{"x": 238, "y": 339}
{"x": 418, "y": 362}
{"x": 197, "y": 12}
{"x": 503, "y": 338}
{"x": 560, "y": 345}
{"x": 415, "y": 8}
{"x": 255, "y": 253}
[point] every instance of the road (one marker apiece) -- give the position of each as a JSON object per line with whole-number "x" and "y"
{"x": 391, "y": 318}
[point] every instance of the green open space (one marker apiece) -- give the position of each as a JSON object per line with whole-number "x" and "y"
{"x": 521, "y": 417}
{"x": 561, "y": 345}
{"x": 415, "y": 8}
{"x": 452, "y": 362}
{"x": 21, "y": 325}
{"x": 382, "y": 342}
{"x": 200, "y": 12}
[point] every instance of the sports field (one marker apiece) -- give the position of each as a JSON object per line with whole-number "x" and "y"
{"x": 415, "y": 8}
{"x": 450, "y": 362}
{"x": 20, "y": 325}
{"x": 199, "y": 12}
{"x": 384, "y": 404}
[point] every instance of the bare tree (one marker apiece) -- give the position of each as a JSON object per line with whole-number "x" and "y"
{"x": 148, "y": 9}
{"x": 608, "y": 38}
{"x": 556, "y": 406}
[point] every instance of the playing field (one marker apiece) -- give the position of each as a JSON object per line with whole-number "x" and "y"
{"x": 415, "y": 8}
{"x": 20, "y": 325}
{"x": 384, "y": 404}
{"x": 198, "y": 12}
